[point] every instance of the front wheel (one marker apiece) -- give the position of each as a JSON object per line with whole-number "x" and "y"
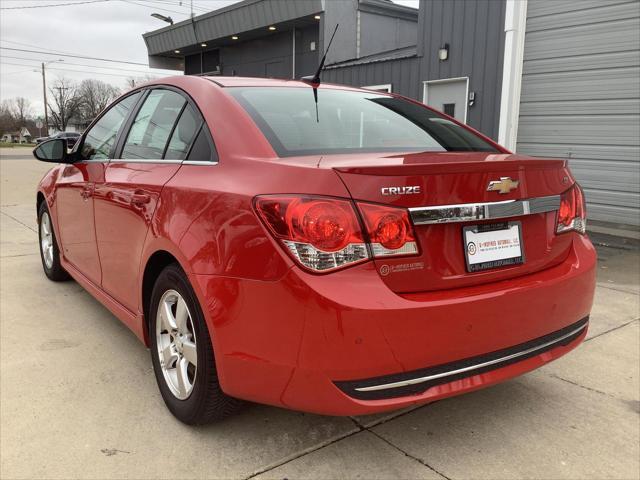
{"x": 49, "y": 252}
{"x": 182, "y": 353}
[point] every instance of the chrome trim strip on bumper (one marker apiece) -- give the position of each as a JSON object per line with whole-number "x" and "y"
{"x": 483, "y": 211}
{"x": 506, "y": 358}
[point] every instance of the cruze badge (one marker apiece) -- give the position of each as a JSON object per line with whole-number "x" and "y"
{"x": 504, "y": 185}
{"x": 401, "y": 190}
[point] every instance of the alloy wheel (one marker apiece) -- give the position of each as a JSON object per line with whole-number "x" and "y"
{"x": 176, "y": 342}
{"x": 46, "y": 240}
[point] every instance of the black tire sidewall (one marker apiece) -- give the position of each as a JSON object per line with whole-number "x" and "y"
{"x": 188, "y": 410}
{"x": 56, "y": 272}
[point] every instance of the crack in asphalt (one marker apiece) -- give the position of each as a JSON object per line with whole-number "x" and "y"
{"x": 19, "y": 255}
{"x": 621, "y": 290}
{"x": 420, "y": 461}
{"x": 21, "y": 223}
{"x": 301, "y": 454}
{"x": 612, "y": 329}
{"x": 394, "y": 446}
{"x": 571, "y": 382}
{"x": 327, "y": 443}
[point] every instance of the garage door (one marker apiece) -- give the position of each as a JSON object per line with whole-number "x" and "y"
{"x": 581, "y": 98}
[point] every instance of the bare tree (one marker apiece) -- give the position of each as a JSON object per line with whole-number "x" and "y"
{"x": 95, "y": 95}
{"x": 21, "y": 110}
{"x": 65, "y": 102}
{"x": 7, "y": 119}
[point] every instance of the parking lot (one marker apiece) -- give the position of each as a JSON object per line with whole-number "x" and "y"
{"x": 78, "y": 397}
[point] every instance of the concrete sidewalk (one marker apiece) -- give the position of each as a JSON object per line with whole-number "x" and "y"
{"x": 78, "y": 397}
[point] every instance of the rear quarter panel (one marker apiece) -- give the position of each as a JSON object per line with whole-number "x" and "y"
{"x": 206, "y": 212}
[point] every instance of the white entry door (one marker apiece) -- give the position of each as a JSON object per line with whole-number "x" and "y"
{"x": 448, "y": 95}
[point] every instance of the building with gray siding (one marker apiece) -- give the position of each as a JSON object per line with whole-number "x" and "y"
{"x": 549, "y": 78}
{"x": 280, "y": 38}
{"x": 580, "y": 98}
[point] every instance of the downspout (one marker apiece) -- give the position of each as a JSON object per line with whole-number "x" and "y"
{"x": 293, "y": 73}
{"x": 515, "y": 24}
{"x": 195, "y": 35}
{"x": 358, "y": 33}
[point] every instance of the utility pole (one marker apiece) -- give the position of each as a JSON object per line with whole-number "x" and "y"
{"x": 44, "y": 92}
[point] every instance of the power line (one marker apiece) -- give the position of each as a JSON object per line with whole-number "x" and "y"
{"x": 18, "y": 64}
{"x": 34, "y": 46}
{"x": 14, "y": 73}
{"x": 131, "y": 2}
{"x": 54, "y": 5}
{"x": 75, "y": 71}
{"x": 73, "y": 56}
{"x": 181, "y": 4}
{"x": 78, "y": 64}
{"x": 100, "y": 73}
{"x": 204, "y": 9}
{"x": 58, "y": 52}
{"x": 175, "y": 3}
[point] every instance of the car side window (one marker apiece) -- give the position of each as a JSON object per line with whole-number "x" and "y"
{"x": 184, "y": 134}
{"x": 203, "y": 149}
{"x": 101, "y": 138}
{"x": 153, "y": 124}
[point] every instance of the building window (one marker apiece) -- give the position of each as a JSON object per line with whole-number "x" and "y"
{"x": 449, "y": 109}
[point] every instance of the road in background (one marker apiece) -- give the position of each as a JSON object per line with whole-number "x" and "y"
{"x": 78, "y": 397}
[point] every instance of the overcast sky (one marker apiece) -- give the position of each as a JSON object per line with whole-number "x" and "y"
{"x": 109, "y": 29}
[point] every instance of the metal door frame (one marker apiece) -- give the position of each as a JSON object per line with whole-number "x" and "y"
{"x": 425, "y": 91}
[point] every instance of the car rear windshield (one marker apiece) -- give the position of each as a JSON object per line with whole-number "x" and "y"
{"x": 344, "y": 121}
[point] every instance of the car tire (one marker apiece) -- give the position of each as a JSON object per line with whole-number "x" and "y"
{"x": 49, "y": 252}
{"x": 182, "y": 353}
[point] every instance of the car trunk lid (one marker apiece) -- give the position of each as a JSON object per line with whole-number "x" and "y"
{"x": 456, "y": 182}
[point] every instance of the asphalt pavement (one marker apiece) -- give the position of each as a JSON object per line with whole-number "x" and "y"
{"x": 78, "y": 398}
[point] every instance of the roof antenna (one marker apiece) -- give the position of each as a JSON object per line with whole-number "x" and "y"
{"x": 316, "y": 77}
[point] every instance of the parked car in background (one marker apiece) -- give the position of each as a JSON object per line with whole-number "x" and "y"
{"x": 316, "y": 247}
{"x": 69, "y": 137}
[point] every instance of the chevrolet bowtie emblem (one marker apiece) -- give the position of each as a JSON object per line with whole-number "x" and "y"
{"x": 504, "y": 185}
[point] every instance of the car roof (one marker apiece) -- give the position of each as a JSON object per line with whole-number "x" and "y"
{"x": 183, "y": 81}
{"x": 254, "y": 82}
{"x": 270, "y": 82}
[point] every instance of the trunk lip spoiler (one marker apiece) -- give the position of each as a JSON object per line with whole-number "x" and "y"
{"x": 468, "y": 212}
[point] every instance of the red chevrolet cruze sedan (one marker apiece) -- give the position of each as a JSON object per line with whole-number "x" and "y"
{"x": 316, "y": 247}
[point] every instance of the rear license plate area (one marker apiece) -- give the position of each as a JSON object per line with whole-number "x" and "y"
{"x": 493, "y": 245}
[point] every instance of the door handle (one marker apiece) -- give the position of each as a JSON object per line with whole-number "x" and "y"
{"x": 86, "y": 193}
{"x": 140, "y": 199}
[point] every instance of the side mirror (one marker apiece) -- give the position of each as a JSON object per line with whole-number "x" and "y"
{"x": 54, "y": 151}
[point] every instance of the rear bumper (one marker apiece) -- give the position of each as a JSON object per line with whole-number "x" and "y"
{"x": 419, "y": 381}
{"x": 309, "y": 342}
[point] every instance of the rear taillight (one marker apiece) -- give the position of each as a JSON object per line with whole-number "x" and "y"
{"x": 390, "y": 230}
{"x": 320, "y": 233}
{"x": 572, "y": 215}
{"x": 324, "y": 234}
